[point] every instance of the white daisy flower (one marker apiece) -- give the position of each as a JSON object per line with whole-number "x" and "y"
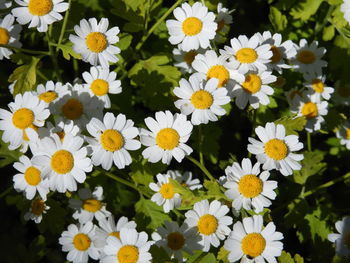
{"x": 131, "y": 247}
{"x": 254, "y": 89}
{"x": 308, "y": 58}
{"x": 317, "y": 84}
{"x": 224, "y": 20}
{"x": 247, "y": 188}
{"x": 165, "y": 195}
{"x": 112, "y": 140}
{"x": 9, "y": 35}
{"x": 251, "y": 242}
{"x": 345, "y": 8}
{"x": 36, "y": 210}
{"x": 175, "y": 239}
{"x": 247, "y": 54}
{"x": 342, "y": 240}
{"x": 61, "y": 128}
{"x": 100, "y": 82}
{"x": 5, "y": 4}
{"x": 50, "y": 92}
{"x": 66, "y": 161}
{"x": 26, "y": 113}
{"x": 39, "y": 13}
{"x": 89, "y": 206}
{"x": 211, "y": 222}
{"x": 343, "y": 133}
{"x": 95, "y": 43}
{"x": 193, "y": 28}
{"x": 276, "y": 150}
{"x": 30, "y": 179}
{"x": 184, "y": 59}
{"x": 79, "y": 242}
{"x": 201, "y": 98}
{"x": 166, "y": 138}
{"x": 185, "y": 179}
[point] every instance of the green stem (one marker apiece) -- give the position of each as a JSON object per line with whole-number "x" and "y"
{"x": 64, "y": 25}
{"x": 53, "y": 55}
{"x": 320, "y": 27}
{"x": 4, "y": 193}
{"x": 34, "y": 52}
{"x": 309, "y": 148}
{"x": 145, "y": 37}
{"x": 202, "y": 167}
{"x": 200, "y": 140}
{"x": 120, "y": 180}
{"x": 199, "y": 258}
{"x": 41, "y": 75}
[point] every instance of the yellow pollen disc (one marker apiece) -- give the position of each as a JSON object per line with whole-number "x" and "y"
{"x": 219, "y": 72}
{"x": 252, "y": 83}
{"x": 128, "y": 254}
{"x": 111, "y": 140}
{"x": 115, "y": 234}
{"x": 62, "y": 162}
{"x": 96, "y": 42}
{"x": 207, "y": 224}
{"x": 276, "y": 149}
{"x": 48, "y": 96}
{"x": 176, "y": 240}
{"x": 92, "y": 205}
{"x": 246, "y": 55}
{"x": 276, "y": 54}
{"x": 221, "y": 25}
{"x": 23, "y": 118}
{"x": 81, "y": 242}
{"x": 189, "y": 57}
{"x": 99, "y": 87}
{"x": 347, "y": 240}
{"x": 317, "y": 85}
{"x": 192, "y": 26}
{"x": 167, "y": 138}
{"x": 344, "y": 91}
{"x": 253, "y": 245}
{"x": 25, "y": 136}
{"x": 72, "y": 109}
{"x": 202, "y": 99}
{"x": 167, "y": 191}
{"x": 347, "y": 133}
{"x": 40, "y": 7}
{"x": 38, "y": 207}
{"x": 61, "y": 135}
{"x": 4, "y": 36}
{"x": 309, "y": 110}
{"x": 32, "y": 176}
{"x": 250, "y": 186}
{"x": 306, "y": 57}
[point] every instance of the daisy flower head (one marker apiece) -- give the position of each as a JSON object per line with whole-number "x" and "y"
{"x": 26, "y": 113}
{"x": 247, "y": 54}
{"x": 344, "y": 135}
{"x": 345, "y": 8}
{"x": 308, "y": 58}
{"x": 113, "y": 138}
{"x": 37, "y": 208}
{"x": 275, "y": 150}
{"x": 165, "y": 193}
{"x": 184, "y": 59}
{"x": 252, "y": 242}
{"x": 248, "y": 187}
{"x": 65, "y": 162}
{"x": 166, "y": 137}
{"x": 79, "y": 241}
{"x": 342, "y": 93}
{"x": 100, "y": 82}
{"x": 194, "y": 27}
{"x": 317, "y": 85}
{"x": 50, "y": 92}
{"x": 9, "y": 35}
{"x": 210, "y": 221}
{"x": 95, "y": 42}
{"x": 254, "y": 89}
{"x": 5, "y": 4}
{"x": 224, "y": 20}
{"x": 342, "y": 240}
{"x": 39, "y": 13}
{"x": 201, "y": 98}
{"x": 293, "y": 96}
{"x": 130, "y": 247}
{"x": 61, "y": 128}
{"x": 185, "y": 179}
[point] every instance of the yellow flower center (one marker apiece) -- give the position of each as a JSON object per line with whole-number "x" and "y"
{"x": 81, "y": 242}
{"x": 25, "y": 136}
{"x": 276, "y": 149}
{"x": 347, "y": 133}
{"x": 192, "y": 26}
{"x": 221, "y": 25}
{"x": 189, "y": 57}
{"x": 111, "y": 140}
{"x": 344, "y": 91}
{"x": 347, "y": 240}
{"x": 202, "y": 99}
{"x": 92, "y": 205}
{"x": 253, "y": 245}
{"x": 4, "y": 36}
{"x": 317, "y": 85}
{"x": 99, "y": 87}
{"x": 96, "y": 42}
{"x": 276, "y": 54}
{"x": 32, "y": 176}
{"x": 207, "y": 224}
{"x": 72, "y": 109}
{"x": 23, "y": 118}
{"x": 176, "y": 240}
{"x": 167, "y": 191}
{"x": 250, "y": 186}
{"x": 61, "y": 135}
{"x": 48, "y": 96}
{"x": 309, "y": 110}
{"x": 62, "y": 162}
{"x": 128, "y": 254}
{"x": 40, "y": 7}
{"x": 38, "y": 207}
{"x": 115, "y": 234}
{"x": 252, "y": 83}
{"x": 167, "y": 138}
{"x": 219, "y": 72}
{"x": 246, "y": 55}
{"x": 306, "y": 57}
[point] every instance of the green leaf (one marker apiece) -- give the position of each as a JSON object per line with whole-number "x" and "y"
{"x": 291, "y": 124}
{"x": 7, "y": 156}
{"x": 67, "y": 51}
{"x": 285, "y": 257}
{"x": 214, "y": 190}
{"x": 328, "y": 33}
{"x": 277, "y": 19}
{"x": 305, "y": 9}
{"x": 124, "y": 41}
{"x": 223, "y": 255}
{"x": 318, "y": 225}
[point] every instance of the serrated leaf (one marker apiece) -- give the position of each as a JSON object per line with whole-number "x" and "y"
{"x": 124, "y": 41}
{"x": 318, "y": 226}
{"x": 305, "y": 9}
{"x": 214, "y": 190}
{"x": 292, "y": 125}
{"x": 285, "y": 257}
{"x": 159, "y": 254}
{"x": 67, "y": 51}
{"x": 328, "y": 33}
{"x": 223, "y": 255}
{"x": 277, "y": 19}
